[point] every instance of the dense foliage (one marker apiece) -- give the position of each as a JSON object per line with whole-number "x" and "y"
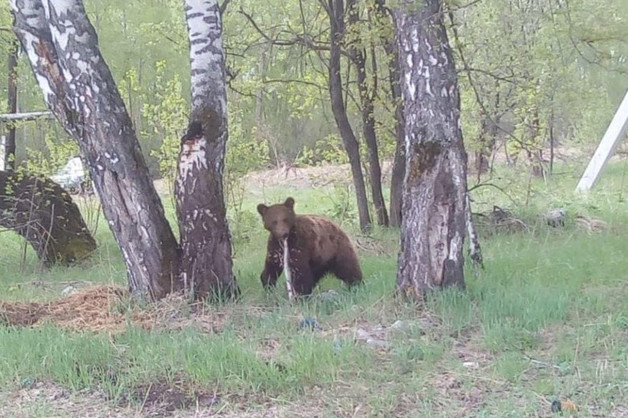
{"x": 529, "y": 69}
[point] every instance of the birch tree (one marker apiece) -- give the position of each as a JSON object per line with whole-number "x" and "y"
{"x": 62, "y": 47}
{"x": 205, "y": 240}
{"x": 434, "y": 200}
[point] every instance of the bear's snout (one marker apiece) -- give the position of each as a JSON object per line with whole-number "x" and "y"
{"x": 281, "y": 235}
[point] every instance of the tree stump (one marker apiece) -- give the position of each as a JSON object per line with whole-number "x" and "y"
{"x": 44, "y": 214}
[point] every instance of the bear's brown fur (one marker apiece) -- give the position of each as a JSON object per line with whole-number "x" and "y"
{"x": 316, "y": 246}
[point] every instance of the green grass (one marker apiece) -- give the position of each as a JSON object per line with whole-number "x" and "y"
{"x": 546, "y": 319}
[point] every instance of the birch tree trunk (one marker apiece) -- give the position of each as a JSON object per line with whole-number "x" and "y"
{"x": 434, "y": 200}
{"x": 77, "y": 85}
{"x": 206, "y": 262}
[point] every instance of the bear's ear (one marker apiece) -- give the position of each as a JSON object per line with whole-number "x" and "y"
{"x": 262, "y": 208}
{"x": 289, "y": 203}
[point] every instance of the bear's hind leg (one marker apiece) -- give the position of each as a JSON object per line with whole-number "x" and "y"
{"x": 347, "y": 268}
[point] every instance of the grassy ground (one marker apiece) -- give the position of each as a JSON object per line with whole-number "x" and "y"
{"x": 547, "y": 319}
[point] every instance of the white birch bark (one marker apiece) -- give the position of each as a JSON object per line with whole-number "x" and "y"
{"x": 475, "y": 250}
{"x": 32, "y": 29}
{"x": 205, "y": 240}
{"x": 434, "y": 199}
{"x": 62, "y": 47}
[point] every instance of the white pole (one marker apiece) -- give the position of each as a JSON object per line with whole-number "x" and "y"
{"x": 3, "y": 140}
{"x": 607, "y": 146}
{"x": 8, "y": 117}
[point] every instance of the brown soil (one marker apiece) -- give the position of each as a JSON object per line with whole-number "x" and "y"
{"x": 317, "y": 176}
{"x": 165, "y": 399}
{"x": 52, "y": 399}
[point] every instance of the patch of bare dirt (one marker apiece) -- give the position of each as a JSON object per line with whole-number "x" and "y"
{"x": 318, "y": 176}
{"x": 326, "y": 174}
{"x": 51, "y": 399}
{"x": 165, "y": 399}
{"x": 472, "y": 356}
{"x": 469, "y": 398}
{"x": 108, "y": 309}
{"x": 157, "y": 399}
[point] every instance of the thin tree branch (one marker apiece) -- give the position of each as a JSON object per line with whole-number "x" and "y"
{"x": 488, "y": 73}
{"x": 240, "y": 92}
{"x": 472, "y": 83}
{"x": 288, "y": 81}
{"x": 480, "y": 185}
{"x": 299, "y": 39}
{"x": 464, "y": 6}
{"x": 577, "y": 49}
{"x": 263, "y": 34}
{"x": 169, "y": 38}
{"x": 223, "y": 6}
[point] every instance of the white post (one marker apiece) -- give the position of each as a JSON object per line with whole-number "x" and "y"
{"x": 3, "y": 141}
{"x": 8, "y": 117}
{"x": 607, "y": 146}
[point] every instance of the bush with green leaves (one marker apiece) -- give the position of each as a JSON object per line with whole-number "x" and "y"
{"x": 168, "y": 119}
{"x": 53, "y": 156}
{"x": 343, "y": 208}
{"x": 244, "y": 154}
{"x": 326, "y": 150}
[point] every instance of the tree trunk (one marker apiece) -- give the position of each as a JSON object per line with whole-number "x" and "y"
{"x": 9, "y": 146}
{"x": 487, "y": 144}
{"x": 62, "y": 48}
{"x": 205, "y": 241}
{"x": 535, "y": 152}
{"x": 44, "y": 214}
{"x": 433, "y": 224}
{"x": 375, "y": 169}
{"x": 398, "y": 173}
{"x": 336, "y": 18}
{"x": 552, "y": 142}
{"x": 475, "y": 250}
{"x": 399, "y": 162}
{"x": 358, "y": 55}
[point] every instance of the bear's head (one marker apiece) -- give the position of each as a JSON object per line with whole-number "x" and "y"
{"x": 279, "y": 219}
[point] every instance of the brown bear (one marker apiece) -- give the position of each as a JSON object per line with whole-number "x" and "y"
{"x": 306, "y": 247}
